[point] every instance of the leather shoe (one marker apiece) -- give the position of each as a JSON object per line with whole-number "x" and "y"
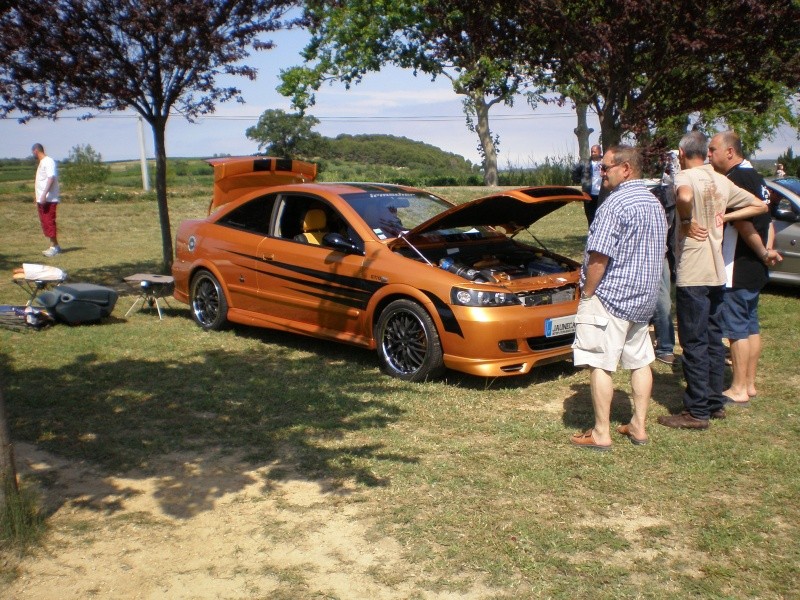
{"x": 719, "y": 414}
{"x": 667, "y": 359}
{"x": 683, "y": 421}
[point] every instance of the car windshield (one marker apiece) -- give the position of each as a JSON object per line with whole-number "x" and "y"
{"x": 391, "y": 213}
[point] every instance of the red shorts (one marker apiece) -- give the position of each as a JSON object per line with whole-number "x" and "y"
{"x": 47, "y": 217}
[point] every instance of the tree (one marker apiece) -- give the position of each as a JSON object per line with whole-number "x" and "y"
{"x": 153, "y": 56}
{"x": 354, "y": 37}
{"x": 84, "y": 165}
{"x": 279, "y": 133}
{"x": 639, "y": 62}
{"x": 781, "y": 108}
{"x": 9, "y": 492}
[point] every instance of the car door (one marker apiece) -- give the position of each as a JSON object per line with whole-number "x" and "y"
{"x": 787, "y": 241}
{"x": 242, "y": 232}
{"x": 316, "y": 288}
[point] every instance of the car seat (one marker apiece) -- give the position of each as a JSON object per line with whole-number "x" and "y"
{"x": 314, "y": 227}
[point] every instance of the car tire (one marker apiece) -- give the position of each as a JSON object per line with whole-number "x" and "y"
{"x": 207, "y": 301}
{"x": 409, "y": 347}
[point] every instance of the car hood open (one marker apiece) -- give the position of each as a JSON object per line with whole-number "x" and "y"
{"x": 237, "y": 176}
{"x": 513, "y": 210}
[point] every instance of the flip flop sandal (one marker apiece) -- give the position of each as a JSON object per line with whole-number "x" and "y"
{"x": 586, "y": 440}
{"x": 625, "y": 430}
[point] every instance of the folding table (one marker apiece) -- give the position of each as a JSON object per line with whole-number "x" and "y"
{"x": 151, "y": 287}
{"x": 33, "y": 278}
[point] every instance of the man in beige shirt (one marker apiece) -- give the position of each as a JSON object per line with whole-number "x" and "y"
{"x": 704, "y": 198}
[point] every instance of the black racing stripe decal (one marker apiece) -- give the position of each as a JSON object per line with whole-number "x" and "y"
{"x": 355, "y": 283}
{"x": 336, "y": 289}
{"x": 242, "y": 254}
{"x": 445, "y": 314}
{"x": 360, "y": 295}
{"x": 351, "y": 302}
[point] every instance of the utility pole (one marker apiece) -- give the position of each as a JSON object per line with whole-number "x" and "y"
{"x": 143, "y": 158}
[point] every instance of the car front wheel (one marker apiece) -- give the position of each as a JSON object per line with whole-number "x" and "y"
{"x": 408, "y": 344}
{"x": 209, "y": 307}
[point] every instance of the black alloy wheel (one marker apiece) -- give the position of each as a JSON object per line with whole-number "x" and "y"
{"x": 409, "y": 347}
{"x": 207, "y": 299}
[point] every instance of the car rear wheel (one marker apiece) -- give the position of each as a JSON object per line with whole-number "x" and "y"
{"x": 209, "y": 307}
{"x": 408, "y": 344}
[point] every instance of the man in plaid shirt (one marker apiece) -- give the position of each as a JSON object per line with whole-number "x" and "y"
{"x": 620, "y": 280}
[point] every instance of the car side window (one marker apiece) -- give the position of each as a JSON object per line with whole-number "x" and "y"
{"x": 292, "y": 223}
{"x": 253, "y": 216}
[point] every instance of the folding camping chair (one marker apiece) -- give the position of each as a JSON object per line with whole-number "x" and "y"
{"x": 151, "y": 287}
{"x": 34, "y": 278}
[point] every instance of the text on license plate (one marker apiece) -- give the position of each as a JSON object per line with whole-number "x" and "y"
{"x": 559, "y": 326}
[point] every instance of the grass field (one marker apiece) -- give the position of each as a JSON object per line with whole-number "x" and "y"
{"x": 474, "y": 477}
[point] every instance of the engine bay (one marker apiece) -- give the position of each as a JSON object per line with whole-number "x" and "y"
{"x": 494, "y": 263}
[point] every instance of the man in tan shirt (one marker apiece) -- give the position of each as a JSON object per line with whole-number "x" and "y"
{"x": 703, "y": 199}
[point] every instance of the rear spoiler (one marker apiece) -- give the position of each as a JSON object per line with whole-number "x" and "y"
{"x": 237, "y": 176}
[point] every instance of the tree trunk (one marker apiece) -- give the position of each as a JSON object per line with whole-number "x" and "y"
{"x": 583, "y": 131}
{"x": 8, "y": 472}
{"x": 159, "y": 126}
{"x": 489, "y": 150}
{"x": 610, "y": 129}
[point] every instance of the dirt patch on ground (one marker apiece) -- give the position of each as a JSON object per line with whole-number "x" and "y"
{"x": 211, "y": 528}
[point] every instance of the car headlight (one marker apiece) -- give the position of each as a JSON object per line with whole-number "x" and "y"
{"x": 477, "y": 297}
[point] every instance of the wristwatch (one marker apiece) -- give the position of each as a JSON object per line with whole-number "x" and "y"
{"x": 686, "y": 221}
{"x": 585, "y": 296}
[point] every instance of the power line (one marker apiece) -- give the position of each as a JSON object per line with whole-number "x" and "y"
{"x": 345, "y": 119}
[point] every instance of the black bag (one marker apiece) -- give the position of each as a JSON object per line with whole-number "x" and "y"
{"x": 77, "y": 303}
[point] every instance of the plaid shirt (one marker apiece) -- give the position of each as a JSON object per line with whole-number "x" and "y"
{"x": 631, "y": 229}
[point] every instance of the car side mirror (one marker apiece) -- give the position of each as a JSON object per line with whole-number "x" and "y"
{"x": 338, "y": 242}
{"x": 790, "y": 216}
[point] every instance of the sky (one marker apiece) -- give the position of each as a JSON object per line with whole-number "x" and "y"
{"x": 393, "y": 102}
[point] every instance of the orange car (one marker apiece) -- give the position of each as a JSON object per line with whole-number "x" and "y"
{"x": 427, "y": 284}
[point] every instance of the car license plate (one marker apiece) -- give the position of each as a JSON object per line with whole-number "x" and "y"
{"x": 559, "y": 326}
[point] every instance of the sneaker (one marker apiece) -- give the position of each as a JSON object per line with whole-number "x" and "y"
{"x": 667, "y": 359}
{"x": 52, "y": 251}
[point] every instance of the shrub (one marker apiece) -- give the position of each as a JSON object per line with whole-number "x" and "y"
{"x": 553, "y": 171}
{"x": 84, "y": 166}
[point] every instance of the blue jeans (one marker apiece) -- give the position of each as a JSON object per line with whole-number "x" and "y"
{"x": 662, "y": 318}
{"x": 699, "y": 310}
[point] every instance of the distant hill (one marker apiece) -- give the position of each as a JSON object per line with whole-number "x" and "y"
{"x": 395, "y": 151}
{"x": 392, "y": 159}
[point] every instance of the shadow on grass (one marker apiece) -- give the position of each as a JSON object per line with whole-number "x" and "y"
{"x": 107, "y": 275}
{"x": 368, "y": 359}
{"x": 579, "y": 413}
{"x": 128, "y": 417}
